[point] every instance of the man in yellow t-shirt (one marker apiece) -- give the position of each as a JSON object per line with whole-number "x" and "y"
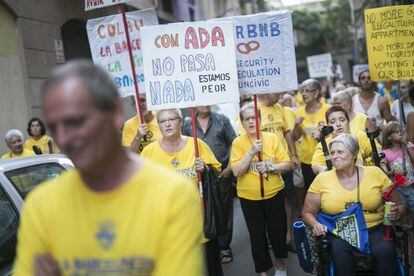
{"x": 14, "y": 141}
{"x": 135, "y": 135}
{"x": 116, "y": 213}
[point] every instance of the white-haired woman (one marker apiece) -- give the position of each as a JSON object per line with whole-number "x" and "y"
{"x": 263, "y": 213}
{"x": 346, "y": 188}
{"x": 309, "y": 119}
{"x": 176, "y": 152}
{"x": 14, "y": 140}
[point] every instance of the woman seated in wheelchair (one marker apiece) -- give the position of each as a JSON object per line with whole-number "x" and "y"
{"x": 347, "y": 205}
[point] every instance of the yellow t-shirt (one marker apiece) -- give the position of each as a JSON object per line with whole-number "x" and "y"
{"x": 130, "y": 130}
{"x": 25, "y": 153}
{"x": 299, "y": 100}
{"x": 364, "y": 156}
{"x": 42, "y": 143}
{"x": 273, "y": 121}
{"x": 290, "y": 117}
{"x": 148, "y": 226}
{"x": 248, "y": 185}
{"x": 358, "y": 123}
{"x": 335, "y": 198}
{"x": 182, "y": 161}
{"x": 308, "y": 126}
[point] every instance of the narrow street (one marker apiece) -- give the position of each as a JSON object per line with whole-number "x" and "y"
{"x": 242, "y": 264}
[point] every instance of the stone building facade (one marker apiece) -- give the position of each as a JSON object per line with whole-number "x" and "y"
{"x": 29, "y": 30}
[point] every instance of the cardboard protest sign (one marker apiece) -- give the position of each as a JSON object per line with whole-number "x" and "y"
{"x": 109, "y": 47}
{"x": 189, "y": 64}
{"x": 319, "y": 66}
{"x": 265, "y": 52}
{"x": 95, "y": 4}
{"x": 390, "y": 43}
{"x": 356, "y": 69}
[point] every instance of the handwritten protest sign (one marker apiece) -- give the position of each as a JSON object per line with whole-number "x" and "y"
{"x": 109, "y": 47}
{"x": 390, "y": 43}
{"x": 189, "y": 64}
{"x": 95, "y": 4}
{"x": 265, "y": 52}
{"x": 319, "y": 66}
{"x": 356, "y": 69}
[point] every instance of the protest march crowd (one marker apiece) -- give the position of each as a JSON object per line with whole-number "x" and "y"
{"x": 294, "y": 165}
{"x": 148, "y": 198}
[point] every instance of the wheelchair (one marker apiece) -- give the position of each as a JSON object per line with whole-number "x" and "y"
{"x": 364, "y": 264}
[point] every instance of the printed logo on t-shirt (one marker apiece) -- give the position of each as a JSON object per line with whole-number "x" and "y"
{"x": 145, "y": 141}
{"x": 106, "y": 234}
{"x": 270, "y": 117}
{"x": 175, "y": 162}
{"x": 188, "y": 172}
{"x": 108, "y": 265}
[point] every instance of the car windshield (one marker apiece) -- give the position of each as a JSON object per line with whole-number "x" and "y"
{"x": 26, "y": 178}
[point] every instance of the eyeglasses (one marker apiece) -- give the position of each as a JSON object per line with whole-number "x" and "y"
{"x": 303, "y": 91}
{"x": 169, "y": 120}
{"x": 247, "y": 119}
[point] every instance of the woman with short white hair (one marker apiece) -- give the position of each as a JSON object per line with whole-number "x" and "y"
{"x": 176, "y": 152}
{"x": 309, "y": 120}
{"x": 14, "y": 140}
{"x": 349, "y": 191}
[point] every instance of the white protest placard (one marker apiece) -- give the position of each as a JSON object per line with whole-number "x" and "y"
{"x": 189, "y": 64}
{"x": 265, "y": 52}
{"x": 95, "y": 4}
{"x": 109, "y": 47}
{"x": 356, "y": 69}
{"x": 319, "y": 66}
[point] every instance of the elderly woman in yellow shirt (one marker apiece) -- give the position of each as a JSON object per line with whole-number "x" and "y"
{"x": 309, "y": 119}
{"x": 336, "y": 191}
{"x": 176, "y": 152}
{"x": 337, "y": 117}
{"x": 39, "y": 142}
{"x": 262, "y": 214}
{"x": 14, "y": 141}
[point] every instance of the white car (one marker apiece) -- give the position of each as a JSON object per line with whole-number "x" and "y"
{"x": 18, "y": 176}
